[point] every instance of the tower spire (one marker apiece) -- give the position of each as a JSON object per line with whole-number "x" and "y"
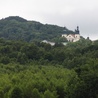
{"x": 77, "y": 30}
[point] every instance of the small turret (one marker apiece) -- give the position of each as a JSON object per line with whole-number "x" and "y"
{"x": 77, "y": 30}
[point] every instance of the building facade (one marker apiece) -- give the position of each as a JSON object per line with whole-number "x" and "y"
{"x": 73, "y": 37}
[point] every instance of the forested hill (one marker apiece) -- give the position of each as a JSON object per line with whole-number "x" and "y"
{"x": 39, "y": 70}
{"x": 17, "y": 28}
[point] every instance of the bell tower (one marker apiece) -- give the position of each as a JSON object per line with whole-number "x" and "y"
{"x": 77, "y": 30}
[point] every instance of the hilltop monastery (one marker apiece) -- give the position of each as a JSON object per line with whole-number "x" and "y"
{"x": 72, "y": 37}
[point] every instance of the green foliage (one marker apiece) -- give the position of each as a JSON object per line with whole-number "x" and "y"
{"x": 5, "y": 60}
{"x": 17, "y": 28}
{"x": 1, "y": 93}
{"x": 16, "y": 93}
{"x": 38, "y": 70}
{"x": 33, "y": 81}
{"x": 36, "y": 93}
{"x": 48, "y": 94}
{"x": 22, "y": 58}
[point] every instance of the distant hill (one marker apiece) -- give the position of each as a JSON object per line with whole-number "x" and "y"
{"x": 17, "y": 28}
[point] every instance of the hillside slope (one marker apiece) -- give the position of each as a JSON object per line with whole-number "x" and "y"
{"x": 17, "y": 28}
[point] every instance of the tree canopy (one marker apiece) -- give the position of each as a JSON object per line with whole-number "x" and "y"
{"x": 17, "y": 28}
{"x": 39, "y": 70}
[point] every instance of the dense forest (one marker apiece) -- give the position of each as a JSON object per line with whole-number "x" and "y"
{"x": 17, "y": 28}
{"x": 39, "y": 70}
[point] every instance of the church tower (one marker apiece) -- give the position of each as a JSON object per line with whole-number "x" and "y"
{"x": 77, "y": 30}
{"x": 77, "y": 34}
{"x": 73, "y": 37}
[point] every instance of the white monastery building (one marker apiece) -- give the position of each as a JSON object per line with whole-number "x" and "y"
{"x": 73, "y": 37}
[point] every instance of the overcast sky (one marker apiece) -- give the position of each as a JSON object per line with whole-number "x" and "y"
{"x": 69, "y": 13}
